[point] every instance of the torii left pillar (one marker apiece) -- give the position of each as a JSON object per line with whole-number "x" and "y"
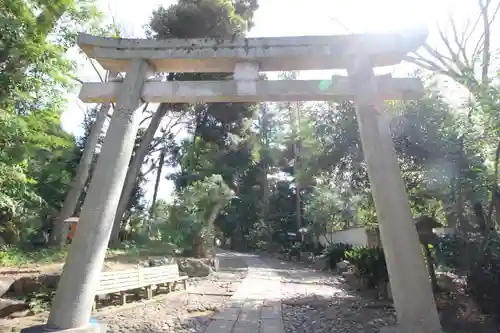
{"x": 72, "y": 305}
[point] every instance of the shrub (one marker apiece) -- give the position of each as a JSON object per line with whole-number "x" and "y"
{"x": 455, "y": 252}
{"x": 336, "y": 253}
{"x": 16, "y": 256}
{"x": 482, "y": 268}
{"x": 370, "y": 264}
{"x": 483, "y": 280}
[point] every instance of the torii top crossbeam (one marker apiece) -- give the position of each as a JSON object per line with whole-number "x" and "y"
{"x": 271, "y": 54}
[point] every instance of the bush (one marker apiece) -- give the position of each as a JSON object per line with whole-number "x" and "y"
{"x": 336, "y": 253}
{"x": 483, "y": 280}
{"x": 455, "y": 252}
{"x": 370, "y": 264}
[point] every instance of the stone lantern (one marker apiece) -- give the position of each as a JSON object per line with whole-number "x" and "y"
{"x": 425, "y": 225}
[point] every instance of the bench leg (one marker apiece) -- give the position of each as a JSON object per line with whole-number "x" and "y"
{"x": 94, "y": 304}
{"x": 124, "y": 297}
{"x": 185, "y": 281}
{"x": 149, "y": 290}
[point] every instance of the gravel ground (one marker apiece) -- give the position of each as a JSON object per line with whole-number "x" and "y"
{"x": 319, "y": 302}
{"x": 180, "y": 312}
{"x": 177, "y": 312}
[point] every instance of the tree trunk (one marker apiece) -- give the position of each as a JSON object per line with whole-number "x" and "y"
{"x": 134, "y": 169}
{"x": 203, "y": 247}
{"x": 82, "y": 174}
{"x": 157, "y": 183}
{"x": 296, "y": 167}
{"x": 155, "y": 193}
{"x": 210, "y": 251}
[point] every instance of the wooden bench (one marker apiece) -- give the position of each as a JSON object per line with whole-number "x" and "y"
{"x": 127, "y": 280}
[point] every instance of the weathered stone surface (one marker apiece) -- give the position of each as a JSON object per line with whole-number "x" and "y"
{"x": 10, "y": 306}
{"x": 50, "y": 280}
{"x": 161, "y": 261}
{"x": 320, "y": 263}
{"x": 273, "y": 53}
{"x": 32, "y": 284}
{"x": 353, "y": 280}
{"x": 91, "y": 328}
{"x": 343, "y": 266}
{"x": 194, "y": 267}
{"x": 5, "y": 284}
{"x": 27, "y": 285}
{"x": 445, "y": 282}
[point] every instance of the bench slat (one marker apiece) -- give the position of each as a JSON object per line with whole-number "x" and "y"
{"x": 119, "y": 272}
{"x": 124, "y": 280}
{"x": 159, "y": 274}
{"x": 115, "y": 289}
{"x": 161, "y": 268}
{"x": 155, "y": 280}
{"x": 119, "y": 276}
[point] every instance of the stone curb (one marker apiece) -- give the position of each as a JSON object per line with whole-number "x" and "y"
{"x": 91, "y": 328}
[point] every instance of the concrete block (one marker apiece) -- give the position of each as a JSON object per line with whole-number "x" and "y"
{"x": 91, "y": 328}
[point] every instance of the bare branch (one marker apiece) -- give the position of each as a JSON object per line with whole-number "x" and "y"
{"x": 486, "y": 49}
{"x": 461, "y": 43}
{"x": 474, "y": 27}
{"x": 147, "y": 118}
{"x": 453, "y": 55}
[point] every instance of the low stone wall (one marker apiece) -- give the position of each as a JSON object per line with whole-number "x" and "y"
{"x": 353, "y": 236}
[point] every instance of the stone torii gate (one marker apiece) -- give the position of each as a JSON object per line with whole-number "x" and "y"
{"x": 411, "y": 290}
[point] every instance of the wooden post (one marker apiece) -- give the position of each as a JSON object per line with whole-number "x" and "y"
{"x": 410, "y": 286}
{"x": 123, "y": 295}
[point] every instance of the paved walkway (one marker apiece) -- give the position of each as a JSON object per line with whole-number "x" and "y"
{"x": 256, "y": 305}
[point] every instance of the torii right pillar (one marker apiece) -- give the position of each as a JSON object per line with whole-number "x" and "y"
{"x": 411, "y": 289}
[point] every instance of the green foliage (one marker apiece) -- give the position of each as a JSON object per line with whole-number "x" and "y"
{"x": 329, "y": 208}
{"x": 40, "y": 301}
{"x": 12, "y": 256}
{"x": 194, "y": 210}
{"x": 370, "y": 264}
{"x": 456, "y": 253}
{"x": 483, "y": 281}
{"x": 336, "y": 253}
{"x": 37, "y": 158}
{"x": 481, "y": 267}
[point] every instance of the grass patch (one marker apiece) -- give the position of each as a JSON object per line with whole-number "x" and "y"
{"x": 14, "y": 256}
{"x": 11, "y": 256}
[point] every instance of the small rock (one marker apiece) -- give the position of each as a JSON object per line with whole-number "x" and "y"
{"x": 20, "y": 314}
{"x": 194, "y": 267}
{"x": 161, "y": 262}
{"x": 320, "y": 263}
{"x": 445, "y": 282}
{"x": 343, "y": 266}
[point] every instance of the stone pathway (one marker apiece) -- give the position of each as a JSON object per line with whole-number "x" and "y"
{"x": 283, "y": 297}
{"x": 256, "y": 306}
